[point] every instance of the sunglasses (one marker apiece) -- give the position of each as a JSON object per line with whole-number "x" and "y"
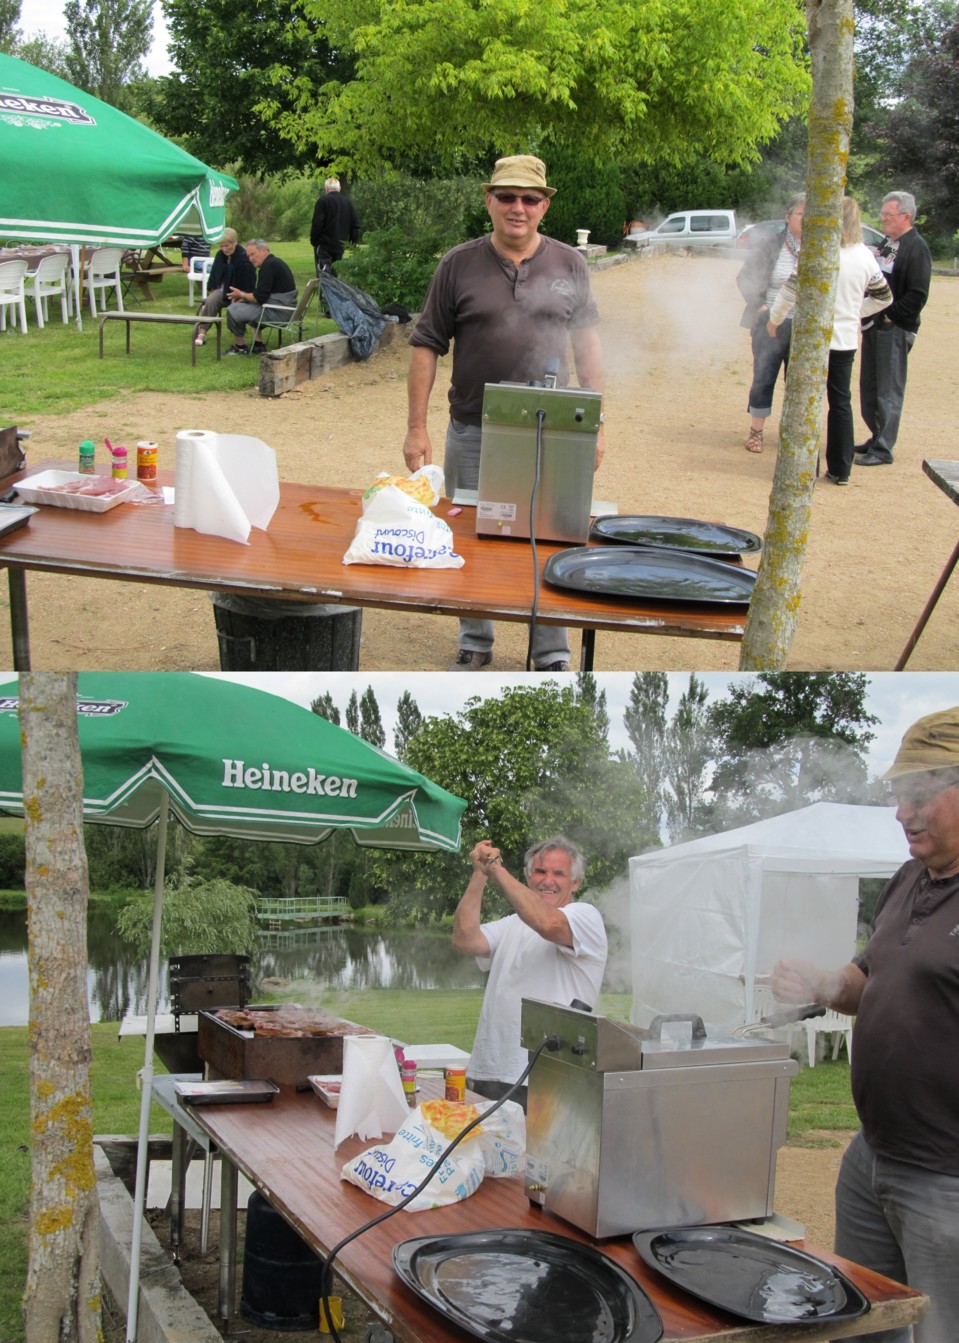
{"x": 918, "y": 794}
{"x": 511, "y": 197}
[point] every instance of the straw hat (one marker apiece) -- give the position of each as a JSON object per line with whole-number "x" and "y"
{"x": 520, "y": 170}
{"x": 931, "y": 743}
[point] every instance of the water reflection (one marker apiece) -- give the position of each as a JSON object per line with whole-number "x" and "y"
{"x": 330, "y": 957}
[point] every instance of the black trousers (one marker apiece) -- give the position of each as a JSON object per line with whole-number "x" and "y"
{"x": 840, "y": 437}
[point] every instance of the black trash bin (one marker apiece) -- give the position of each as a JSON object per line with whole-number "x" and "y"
{"x": 266, "y": 634}
{"x": 282, "y": 1277}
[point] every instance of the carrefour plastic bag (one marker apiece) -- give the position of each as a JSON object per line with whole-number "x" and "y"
{"x": 391, "y": 1171}
{"x": 396, "y": 530}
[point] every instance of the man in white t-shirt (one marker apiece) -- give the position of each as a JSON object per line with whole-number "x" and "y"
{"x": 551, "y": 948}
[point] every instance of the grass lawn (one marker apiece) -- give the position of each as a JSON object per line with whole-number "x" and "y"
{"x": 57, "y": 369}
{"x": 819, "y": 1099}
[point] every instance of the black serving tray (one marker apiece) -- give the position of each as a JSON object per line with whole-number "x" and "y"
{"x": 517, "y": 1286}
{"x": 684, "y": 534}
{"x": 650, "y": 573}
{"x": 751, "y": 1276}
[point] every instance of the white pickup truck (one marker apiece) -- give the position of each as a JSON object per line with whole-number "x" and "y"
{"x": 688, "y": 229}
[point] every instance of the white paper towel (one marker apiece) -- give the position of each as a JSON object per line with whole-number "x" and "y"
{"x": 371, "y": 1093}
{"x": 225, "y": 483}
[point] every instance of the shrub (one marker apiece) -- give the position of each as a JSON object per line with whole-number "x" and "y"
{"x": 278, "y": 209}
{"x": 199, "y": 918}
{"x": 392, "y": 266}
{"x": 589, "y": 196}
{"x": 12, "y": 862}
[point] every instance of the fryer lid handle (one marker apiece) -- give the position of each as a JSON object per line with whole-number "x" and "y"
{"x": 656, "y": 1025}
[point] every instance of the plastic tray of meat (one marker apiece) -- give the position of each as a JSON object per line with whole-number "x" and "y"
{"x": 71, "y": 489}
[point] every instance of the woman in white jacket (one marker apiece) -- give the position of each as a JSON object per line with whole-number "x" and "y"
{"x": 861, "y": 290}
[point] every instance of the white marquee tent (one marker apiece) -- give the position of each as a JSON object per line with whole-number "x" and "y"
{"x": 707, "y": 916}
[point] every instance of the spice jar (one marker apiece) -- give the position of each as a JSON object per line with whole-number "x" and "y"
{"x": 118, "y": 461}
{"x": 409, "y": 1081}
{"x": 455, "y": 1084}
{"x": 146, "y": 461}
{"x": 87, "y": 451}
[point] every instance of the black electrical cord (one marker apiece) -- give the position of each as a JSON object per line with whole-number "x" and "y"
{"x": 540, "y": 417}
{"x": 327, "y": 1280}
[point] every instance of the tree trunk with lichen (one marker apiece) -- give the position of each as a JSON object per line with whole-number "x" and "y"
{"x": 774, "y": 608}
{"x": 62, "y": 1297}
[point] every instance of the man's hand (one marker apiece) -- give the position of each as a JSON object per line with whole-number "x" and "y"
{"x": 417, "y": 449}
{"x": 484, "y": 856}
{"x": 795, "y": 981}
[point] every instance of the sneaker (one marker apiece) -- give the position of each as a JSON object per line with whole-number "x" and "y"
{"x": 200, "y": 340}
{"x": 467, "y": 659}
{"x": 258, "y": 347}
{"x": 835, "y": 479}
{"x": 872, "y": 459}
{"x": 236, "y": 349}
{"x": 560, "y": 666}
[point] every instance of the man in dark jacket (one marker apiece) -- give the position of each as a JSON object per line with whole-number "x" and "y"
{"x": 887, "y": 340}
{"x": 275, "y": 284}
{"x": 335, "y": 222}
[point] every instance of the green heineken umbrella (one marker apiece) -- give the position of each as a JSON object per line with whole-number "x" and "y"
{"x": 225, "y": 759}
{"x": 76, "y": 170}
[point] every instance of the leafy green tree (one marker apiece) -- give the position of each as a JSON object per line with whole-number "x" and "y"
{"x": 324, "y": 706}
{"x": 789, "y": 739}
{"x": 9, "y": 19}
{"x": 606, "y": 77}
{"x": 531, "y": 763}
{"x": 371, "y": 724}
{"x": 199, "y": 918}
{"x": 409, "y": 720}
{"x": 588, "y": 692}
{"x": 353, "y": 714}
{"x": 917, "y": 139}
{"x": 689, "y": 750}
{"x": 46, "y": 53}
{"x": 645, "y": 723}
{"x": 222, "y": 55}
{"x": 108, "y": 41}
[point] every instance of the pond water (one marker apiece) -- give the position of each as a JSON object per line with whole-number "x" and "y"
{"x": 331, "y": 957}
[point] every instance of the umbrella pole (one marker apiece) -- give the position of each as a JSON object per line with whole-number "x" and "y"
{"x": 146, "y": 1081}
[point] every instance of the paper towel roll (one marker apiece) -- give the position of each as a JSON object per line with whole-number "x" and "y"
{"x": 225, "y": 483}
{"x": 371, "y": 1094}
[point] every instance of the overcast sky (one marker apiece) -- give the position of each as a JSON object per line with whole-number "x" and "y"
{"x": 896, "y": 698}
{"x": 46, "y": 16}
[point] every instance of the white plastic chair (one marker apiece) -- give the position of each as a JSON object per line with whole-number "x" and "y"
{"x": 50, "y": 279}
{"x": 836, "y": 1024}
{"x": 103, "y": 274}
{"x": 199, "y": 273}
{"x": 13, "y": 276}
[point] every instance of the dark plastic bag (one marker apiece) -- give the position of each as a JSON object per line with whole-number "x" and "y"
{"x": 355, "y": 313}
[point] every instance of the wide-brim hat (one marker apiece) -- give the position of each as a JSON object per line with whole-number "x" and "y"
{"x": 520, "y": 170}
{"x": 931, "y": 743}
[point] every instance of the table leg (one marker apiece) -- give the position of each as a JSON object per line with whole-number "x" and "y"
{"x": 228, "y": 1188}
{"x": 587, "y": 650}
{"x": 928, "y": 609}
{"x": 19, "y": 623}
{"x": 179, "y": 1163}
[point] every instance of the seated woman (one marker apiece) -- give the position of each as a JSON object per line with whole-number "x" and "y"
{"x": 232, "y": 269}
{"x": 861, "y": 290}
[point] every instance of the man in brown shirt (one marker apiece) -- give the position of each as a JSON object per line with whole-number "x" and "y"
{"x": 897, "y": 1198}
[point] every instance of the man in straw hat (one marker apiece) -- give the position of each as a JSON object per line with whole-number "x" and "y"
{"x": 508, "y": 303}
{"x": 897, "y": 1198}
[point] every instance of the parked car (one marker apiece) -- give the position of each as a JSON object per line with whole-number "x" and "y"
{"x": 752, "y": 233}
{"x": 693, "y": 229}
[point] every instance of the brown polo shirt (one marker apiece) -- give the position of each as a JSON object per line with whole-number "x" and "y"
{"x": 905, "y": 1054}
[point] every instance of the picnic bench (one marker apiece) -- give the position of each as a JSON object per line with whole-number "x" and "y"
{"x": 143, "y": 268}
{"x": 182, "y": 319}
